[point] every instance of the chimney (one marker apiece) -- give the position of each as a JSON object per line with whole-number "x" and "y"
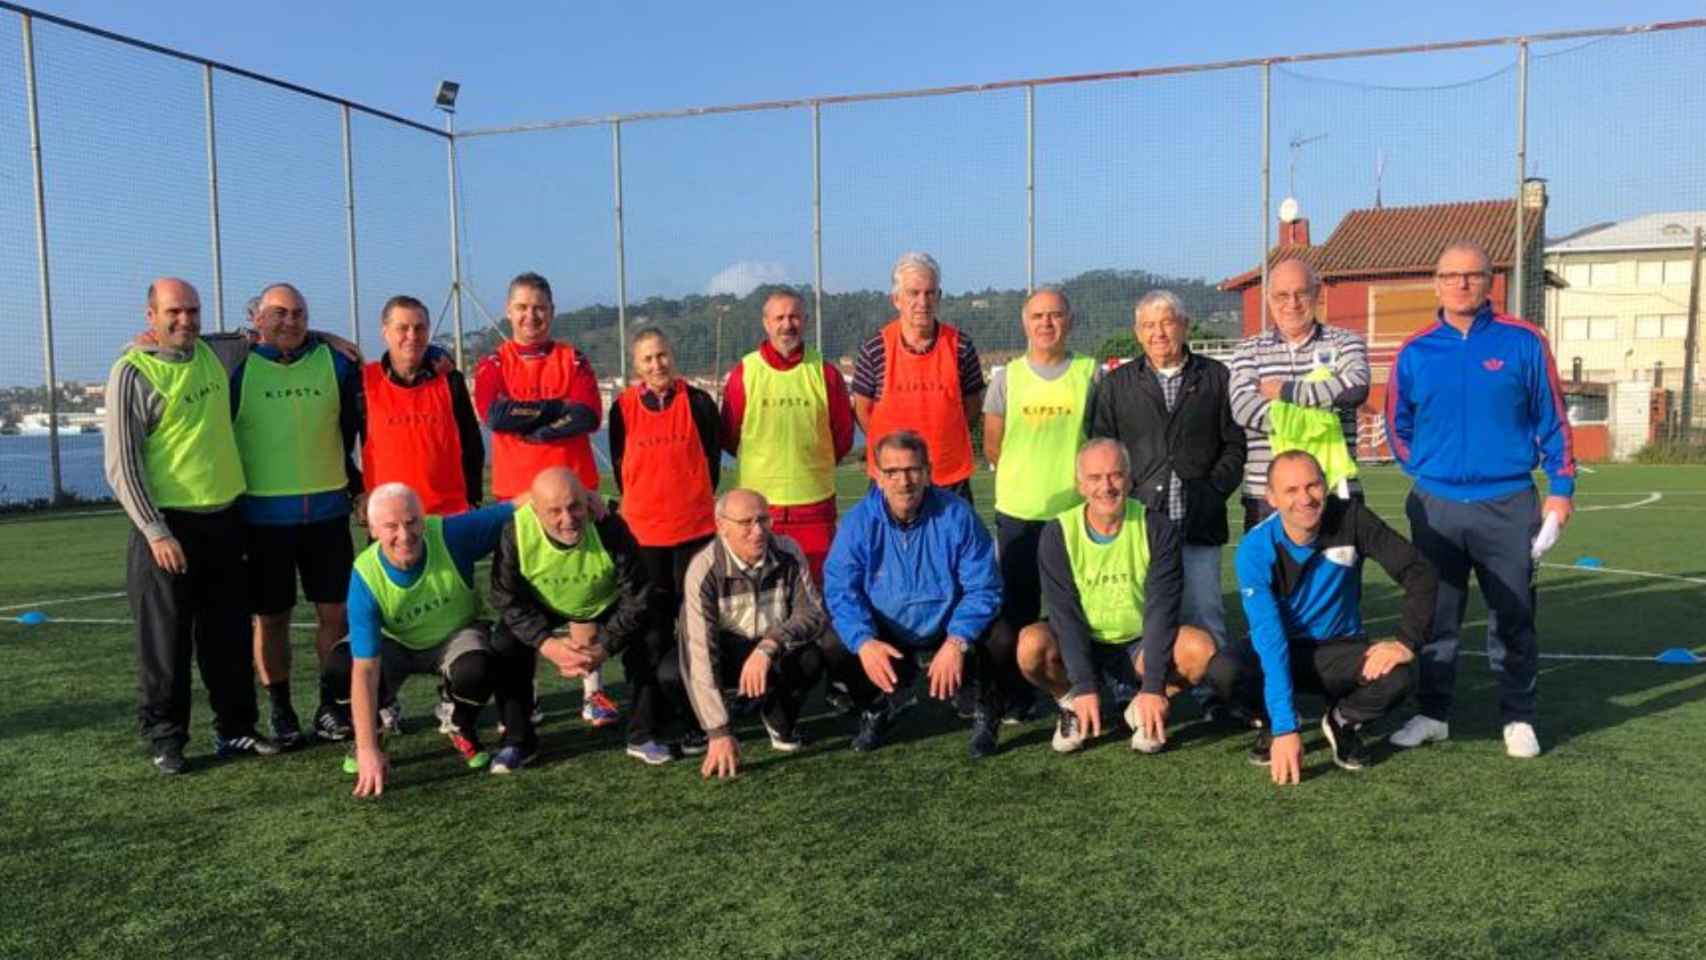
{"x": 1534, "y": 193}
{"x": 1294, "y": 233}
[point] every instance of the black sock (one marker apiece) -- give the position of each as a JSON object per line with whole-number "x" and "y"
{"x": 279, "y": 693}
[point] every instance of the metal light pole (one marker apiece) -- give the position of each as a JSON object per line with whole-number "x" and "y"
{"x": 41, "y": 261}
{"x": 446, "y": 101}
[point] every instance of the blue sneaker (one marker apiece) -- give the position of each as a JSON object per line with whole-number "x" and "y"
{"x": 651, "y": 753}
{"x": 513, "y": 758}
{"x": 246, "y": 744}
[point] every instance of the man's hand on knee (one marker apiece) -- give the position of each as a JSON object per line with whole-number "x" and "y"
{"x": 874, "y": 657}
{"x": 1383, "y": 657}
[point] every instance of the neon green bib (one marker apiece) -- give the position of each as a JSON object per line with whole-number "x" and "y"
{"x": 1109, "y": 576}
{"x": 439, "y": 603}
{"x": 578, "y": 582}
{"x": 1042, "y": 429}
{"x": 287, "y": 425}
{"x": 192, "y": 455}
{"x": 786, "y": 451}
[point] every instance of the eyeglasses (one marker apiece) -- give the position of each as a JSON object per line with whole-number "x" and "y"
{"x": 1292, "y": 296}
{"x": 747, "y": 523}
{"x": 276, "y": 314}
{"x": 1452, "y": 278}
{"x": 895, "y": 473}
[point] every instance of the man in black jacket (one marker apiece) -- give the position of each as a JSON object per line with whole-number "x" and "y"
{"x": 1171, "y": 410}
{"x": 572, "y": 589}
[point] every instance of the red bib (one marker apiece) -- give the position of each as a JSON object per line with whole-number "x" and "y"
{"x": 515, "y": 462}
{"x": 410, "y": 437}
{"x": 921, "y": 392}
{"x": 666, "y": 487}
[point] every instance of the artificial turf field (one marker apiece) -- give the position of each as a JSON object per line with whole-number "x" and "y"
{"x": 1596, "y": 849}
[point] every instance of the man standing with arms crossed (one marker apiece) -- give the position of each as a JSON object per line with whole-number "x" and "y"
{"x": 172, "y": 461}
{"x": 540, "y": 399}
{"x": 1472, "y": 407}
{"x": 787, "y": 419}
{"x": 922, "y": 375}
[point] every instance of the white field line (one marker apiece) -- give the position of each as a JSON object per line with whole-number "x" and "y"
{"x": 49, "y": 603}
{"x": 1626, "y": 573}
{"x": 115, "y": 622}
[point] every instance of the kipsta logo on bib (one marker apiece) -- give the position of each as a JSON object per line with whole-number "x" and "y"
{"x": 1493, "y": 363}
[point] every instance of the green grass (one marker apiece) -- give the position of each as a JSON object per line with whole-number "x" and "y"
{"x": 1450, "y": 851}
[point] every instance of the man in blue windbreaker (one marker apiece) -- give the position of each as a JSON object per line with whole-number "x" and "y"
{"x": 911, "y": 581}
{"x": 1472, "y": 407}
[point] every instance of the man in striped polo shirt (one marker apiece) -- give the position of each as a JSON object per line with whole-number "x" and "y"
{"x": 1300, "y": 361}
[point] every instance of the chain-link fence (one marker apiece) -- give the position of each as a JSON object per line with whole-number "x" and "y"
{"x": 121, "y": 162}
{"x": 1110, "y": 185}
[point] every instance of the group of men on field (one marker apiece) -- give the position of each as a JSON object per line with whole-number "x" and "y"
{"x": 236, "y": 463}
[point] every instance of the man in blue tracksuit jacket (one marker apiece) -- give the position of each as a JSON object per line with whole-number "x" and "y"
{"x": 912, "y": 578}
{"x": 1472, "y": 407}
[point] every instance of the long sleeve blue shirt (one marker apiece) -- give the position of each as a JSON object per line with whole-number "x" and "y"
{"x": 1470, "y": 415}
{"x": 911, "y": 584}
{"x": 468, "y": 536}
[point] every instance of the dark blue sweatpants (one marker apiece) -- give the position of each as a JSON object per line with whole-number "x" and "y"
{"x": 1491, "y": 538}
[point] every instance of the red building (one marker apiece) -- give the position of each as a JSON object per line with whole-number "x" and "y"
{"x": 1377, "y": 269}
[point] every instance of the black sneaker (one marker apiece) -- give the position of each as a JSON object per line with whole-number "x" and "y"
{"x": 873, "y": 725}
{"x": 985, "y": 726}
{"x": 331, "y": 723}
{"x": 243, "y": 744}
{"x": 965, "y": 700}
{"x": 169, "y": 758}
{"x": 1261, "y": 752}
{"x": 790, "y": 742}
{"x": 837, "y": 697}
{"x": 1342, "y": 737}
{"x": 694, "y": 744}
{"x": 287, "y": 729}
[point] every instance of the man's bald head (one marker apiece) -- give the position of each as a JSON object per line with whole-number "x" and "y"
{"x": 743, "y": 524}
{"x": 560, "y": 501}
{"x": 174, "y": 313}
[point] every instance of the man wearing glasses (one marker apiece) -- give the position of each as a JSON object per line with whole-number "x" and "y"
{"x": 911, "y": 580}
{"x": 751, "y": 619}
{"x": 294, "y": 410}
{"x": 1301, "y": 362}
{"x": 1472, "y": 407}
{"x": 922, "y": 375}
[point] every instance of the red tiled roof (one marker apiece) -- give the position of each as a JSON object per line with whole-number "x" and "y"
{"x": 1387, "y": 240}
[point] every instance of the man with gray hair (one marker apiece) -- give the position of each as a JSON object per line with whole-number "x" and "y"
{"x": 1290, "y": 372}
{"x": 922, "y": 375}
{"x": 751, "y": 619}
{"x": 1170, "y": 409}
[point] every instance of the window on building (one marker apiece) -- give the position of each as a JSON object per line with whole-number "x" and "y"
{"x": 1602, "y": 274}
{"x": 1583, "y": 408}
{"x": 1575, "y": 328}
{"x": 1676, "y": 272}
{"x": 1649, "y": 327}
{"x": 1602, "y": 328}
{"x": 1676, "y": 326}
{"x": 1650, "y": 273}
{"x": 1576, "y": 274}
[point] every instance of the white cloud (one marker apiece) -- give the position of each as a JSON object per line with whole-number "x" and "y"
{"x": 741, "y": 277}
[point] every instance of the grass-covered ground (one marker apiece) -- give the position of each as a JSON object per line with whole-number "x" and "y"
{"x": 1595, "y": 849}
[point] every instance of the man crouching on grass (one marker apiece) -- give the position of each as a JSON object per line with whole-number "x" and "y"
{"x": 413, "y": 609}
{"x": 1300, "y": 576}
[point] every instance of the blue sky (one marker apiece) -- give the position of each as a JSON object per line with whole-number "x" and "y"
{"x": 1160, "y": 174}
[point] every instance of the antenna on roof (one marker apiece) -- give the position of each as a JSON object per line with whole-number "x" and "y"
{"x": 1379, "y": 174}
{"x": 1298, "y": 141}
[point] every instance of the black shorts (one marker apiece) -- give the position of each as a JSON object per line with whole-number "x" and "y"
{"x": 320, "y": 552}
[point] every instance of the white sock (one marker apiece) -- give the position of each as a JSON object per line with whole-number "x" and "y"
{"x": 593, "y": 682}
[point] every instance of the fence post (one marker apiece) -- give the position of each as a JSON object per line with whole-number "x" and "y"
{"x": 58, "y": 495}
{"x": 817, "y": 220}
{"x": 455, "y": 241}
{"x": 1030, "y": 189}
{"x": 213, "y": 200}
{"x": 621, "y": 254}
{"x": 1516, "y": 299}
{"x": 1267, "y": 104}
{"x": 349, "y": 230}
{"x": 1691, "y": 341}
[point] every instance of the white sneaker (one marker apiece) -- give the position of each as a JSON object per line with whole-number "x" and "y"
{"x": 1419, "y": 730}
{"x": 1140, "y": 741}
{"x": 1520, "y": 741}
{"x": 1068, "y": 737}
